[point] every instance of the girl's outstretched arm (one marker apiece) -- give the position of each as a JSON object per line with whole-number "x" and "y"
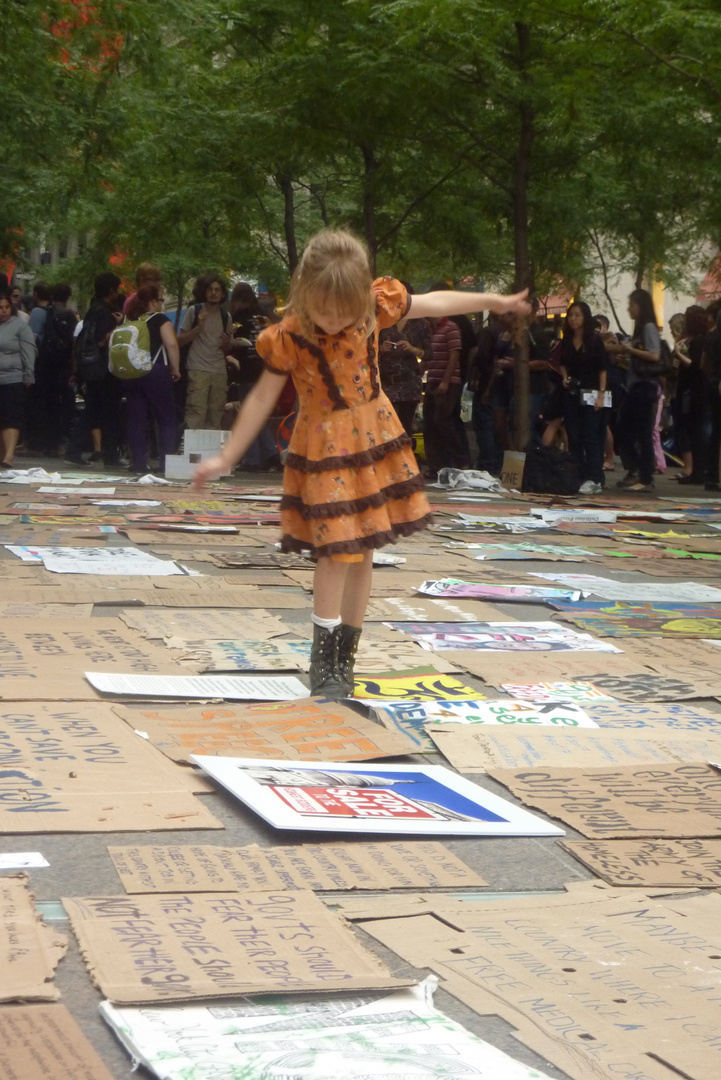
{"x": 253, "y": 413}
{"x": 435, "y": 305}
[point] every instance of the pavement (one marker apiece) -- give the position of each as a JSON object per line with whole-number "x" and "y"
{"x": 80, "y": 864}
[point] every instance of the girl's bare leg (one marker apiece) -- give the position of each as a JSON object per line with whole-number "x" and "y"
{"x": 357, "y": 590}
{"x": 328, "y": 585}
{"x": 10, "y": 440}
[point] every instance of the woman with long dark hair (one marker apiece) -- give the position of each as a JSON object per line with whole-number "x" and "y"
{"x": 583, "y": 370}
{"x": 691, "y": 405}
{"x": 638, "y": 415}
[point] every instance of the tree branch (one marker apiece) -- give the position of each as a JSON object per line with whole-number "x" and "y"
{"x": 413, "y": 205}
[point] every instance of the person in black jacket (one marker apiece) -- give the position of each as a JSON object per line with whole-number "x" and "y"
{"x": 583, "y": 370}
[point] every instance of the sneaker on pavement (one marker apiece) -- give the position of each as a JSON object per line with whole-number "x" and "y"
{"x": 590, "y": 487}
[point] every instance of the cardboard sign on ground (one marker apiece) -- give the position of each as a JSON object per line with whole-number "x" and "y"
{"x": 197, "y": 623}
{"x": 412, "y": 685}
{"x": 545, "y": 666}
{"x": 599, "y": 986}
{"x": 72, "y": 767}
{"x": 337, "y": 1036}
{"x": 668, "y": 718}
{"x": 163, "y": 537}
{"x": 311, "y": 730}
{"x": 583, "y": 693}
{"x": 651, "y": 863}
{"x": 424, "y": 609}
{"x": 186, "y": 946}
{"x": 45, "y": 659}
{"x": 677, "y": 800}
{"x": 391, "y": 865}
{"x": 470, "y": 748}
{"x": 249, "y": 655}
{"x": 43, "y": 1042}
{"x": 671, "y": 620}
{"x": 29, "y": 950}
{"x": 263, "y": 559}
{"x": 226, "y": 596}
{"x": 45, "y": 611}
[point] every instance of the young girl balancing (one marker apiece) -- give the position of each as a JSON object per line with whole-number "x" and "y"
{"x": 351, "y": 482}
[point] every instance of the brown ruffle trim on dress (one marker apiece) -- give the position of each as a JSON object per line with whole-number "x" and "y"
{"x": 357, "y": 547}
{"x": 347, "y": 461}
{"x": 352, "y": 506}
{"x": 275, "y": 370}
{"x": 323, "y": 367}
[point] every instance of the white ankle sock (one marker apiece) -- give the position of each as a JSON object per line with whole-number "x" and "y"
{"x": 327, "y": 624}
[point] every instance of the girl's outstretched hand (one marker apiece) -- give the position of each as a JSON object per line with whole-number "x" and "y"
{"x": 208, "y": 470}
{"x": 517, "y": 302}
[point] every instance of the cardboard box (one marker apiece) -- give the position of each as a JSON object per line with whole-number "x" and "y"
{"x": 204, "y": 440}
{"x": 512, "y": 470}
{"x": 182, "y": 466}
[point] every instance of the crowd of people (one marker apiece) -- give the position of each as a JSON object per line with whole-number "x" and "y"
{"x": 592, "y": 392}
{"x": 59, "y": 397}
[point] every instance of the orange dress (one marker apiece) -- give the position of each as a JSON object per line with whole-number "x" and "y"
{"x": 351, "y": 481}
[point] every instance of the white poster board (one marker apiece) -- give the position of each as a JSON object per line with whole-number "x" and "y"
{"x": 384, "y": 799}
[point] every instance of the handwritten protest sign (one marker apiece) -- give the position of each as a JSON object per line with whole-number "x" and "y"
{"x": 469, "y": 749}
{"x": 43, "y": 1042}
{"x": 675, "y": 800}
{"x": 413, "y": 685}
{"x": 425, "y": 609}
{"x": 197, "y": 623}
{"x": 29, "y": 950}
{"x": 500, "y": 637}
{"x": 311, "y": 730}
{"x": 677, "y": 592}
{"x": 651, "y": 863}
{"x": 616, "y": 619}
{"x": 44, "y": 611}
{"x": 244, "y": 655}
{"x": 678, "y": 716}
{"x": 449, "y": 587}
{"x": 45, "y": 659}
{"x": 187, "y": 946}
{"x": 584, "y": 693}
{"x": 101, "y": 560}
{"x": 70, "y": 767}
{"x": 601, "y": 1007}
{"x": 391, "y": 865}
{"x": 504, "y": 711}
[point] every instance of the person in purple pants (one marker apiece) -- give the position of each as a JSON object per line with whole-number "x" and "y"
{"x": 153, "y": 392}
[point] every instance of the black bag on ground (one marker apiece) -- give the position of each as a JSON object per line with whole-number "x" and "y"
{"x": 549, "y": 471}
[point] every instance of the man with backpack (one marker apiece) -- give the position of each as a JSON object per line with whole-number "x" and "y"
{"x": 207, "y": 330}
{"x": 101, "y": 390}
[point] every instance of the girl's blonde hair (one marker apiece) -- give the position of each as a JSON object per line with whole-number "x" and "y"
{"x": 334, "y": 273}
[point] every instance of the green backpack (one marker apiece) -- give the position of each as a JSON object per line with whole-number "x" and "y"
{"x": 129, "y": 349}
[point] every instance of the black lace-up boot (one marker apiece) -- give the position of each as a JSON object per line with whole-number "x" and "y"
{"x": 348, "y": 638}
{"x": 325, "y": 678}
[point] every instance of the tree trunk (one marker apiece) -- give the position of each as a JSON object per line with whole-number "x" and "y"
{"x": 369, "y": 209}
{"x": 521, "y": 173}
{"x": 286, "y": 186}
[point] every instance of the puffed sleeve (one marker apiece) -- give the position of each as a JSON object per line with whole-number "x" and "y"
{"x": 277, "y": 348}
{"x": 392, "y": 301}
